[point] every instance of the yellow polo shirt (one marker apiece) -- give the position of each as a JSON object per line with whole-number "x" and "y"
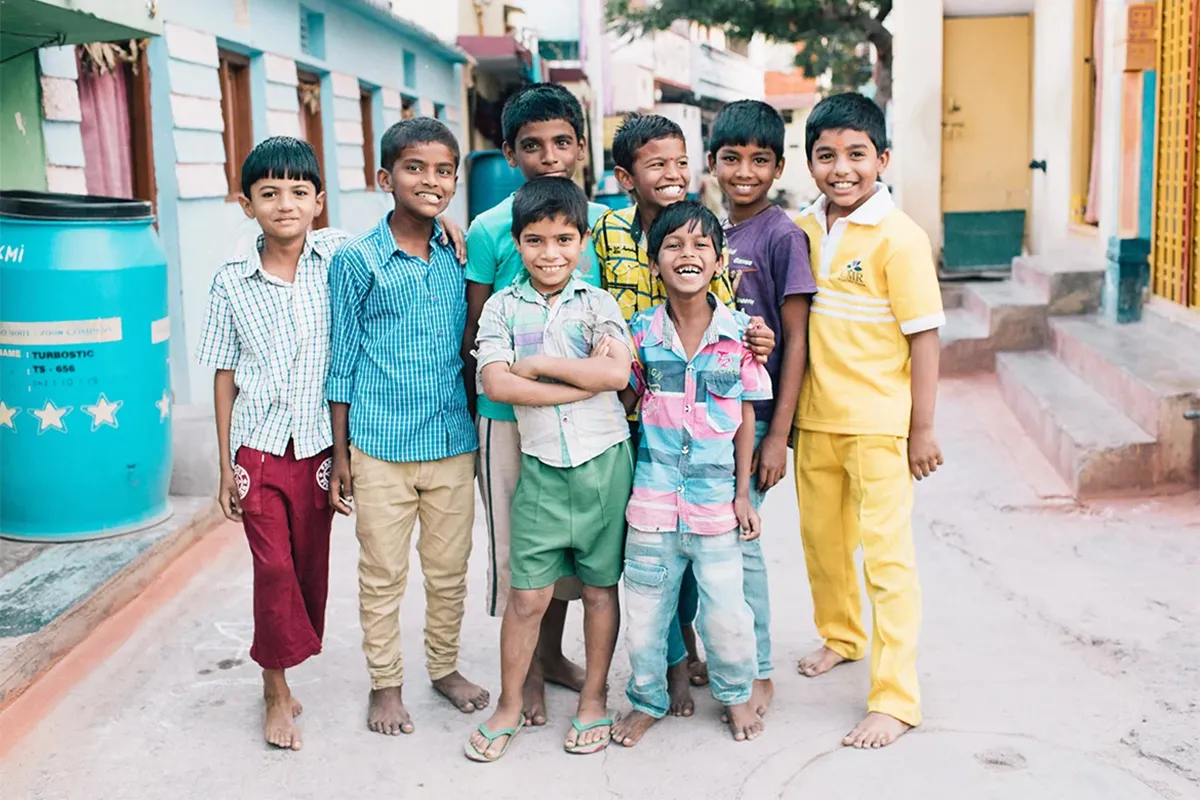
{"x": 876, "y": 285}
{"x": 625, "y": 266}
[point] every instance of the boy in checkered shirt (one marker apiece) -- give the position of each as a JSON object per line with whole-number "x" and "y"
{"x": 267, "y": 336}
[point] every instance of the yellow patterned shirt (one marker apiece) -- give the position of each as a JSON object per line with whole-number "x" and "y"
{"x": 625, "y": 266}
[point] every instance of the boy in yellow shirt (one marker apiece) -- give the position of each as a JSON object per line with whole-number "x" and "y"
{"x": 864, "y": 424}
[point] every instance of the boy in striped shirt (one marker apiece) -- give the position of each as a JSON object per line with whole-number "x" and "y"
{"x": 691, "y": 506}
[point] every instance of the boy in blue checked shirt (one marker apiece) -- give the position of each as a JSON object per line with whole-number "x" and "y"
{"x": 557, "y": 349}
{"x": 690, "y": 509}
{"x": 403, "y": 437}
{"x": 267, "y": 336}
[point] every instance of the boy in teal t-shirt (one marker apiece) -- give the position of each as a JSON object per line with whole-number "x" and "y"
{"x": 543, "y": 136}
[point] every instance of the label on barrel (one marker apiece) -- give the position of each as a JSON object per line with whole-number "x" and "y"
{"x": 78, "y": 331}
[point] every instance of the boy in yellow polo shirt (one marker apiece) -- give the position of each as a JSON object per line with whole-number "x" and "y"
{"x": 864, "y": 424}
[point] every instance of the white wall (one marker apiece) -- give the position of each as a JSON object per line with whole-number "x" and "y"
{"x": 440, "y": 19}
{"x": 1053, "y": 86}
{"x": 1112, "y": 80}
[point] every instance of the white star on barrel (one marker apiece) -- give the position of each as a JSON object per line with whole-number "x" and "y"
{"x": 6, "y": 415}
{"x": 164, "y": 406}
{"x": 103, "y": 412}
{"x": 50, "y": 417}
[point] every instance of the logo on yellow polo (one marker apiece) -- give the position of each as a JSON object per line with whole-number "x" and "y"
{"x": 853, "y": 273}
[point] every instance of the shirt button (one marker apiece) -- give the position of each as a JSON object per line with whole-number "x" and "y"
{"x": 687, "y": 409}
{"x": 564, "y": 419}
{"x": 685, "y": 449}
{"x": 680, "y": 490}
{"x": 691, "y": 368}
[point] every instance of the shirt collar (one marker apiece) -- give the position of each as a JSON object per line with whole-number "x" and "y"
{"x": 723, "y": 325}
{"x": 387, "y": 242}
{"x": 871, "y": 212}
{"x": 523, "y": 288}
{"x": 253, "y": 259}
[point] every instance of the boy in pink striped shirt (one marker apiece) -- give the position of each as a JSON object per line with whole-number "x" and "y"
{"x": 691, "y": 487}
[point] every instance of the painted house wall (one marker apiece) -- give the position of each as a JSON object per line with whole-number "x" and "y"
{"x": 200, "y": 225}
{"x": 20, "y": 126}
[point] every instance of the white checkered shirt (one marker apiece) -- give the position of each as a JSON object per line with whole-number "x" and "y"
{"x": 275, "y": 337}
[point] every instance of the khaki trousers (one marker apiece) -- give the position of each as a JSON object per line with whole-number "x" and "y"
{"x": 389, "y": 497}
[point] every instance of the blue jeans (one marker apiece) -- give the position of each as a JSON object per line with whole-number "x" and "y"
{"x": 654, "y": 568}
{"x": 754, "y": 571}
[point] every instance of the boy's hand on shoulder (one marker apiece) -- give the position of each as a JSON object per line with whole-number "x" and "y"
{"x": 747, "y": 518}
{"x": 770, "y": 461}
{"x": 228, "y": 496}
{"x": 760, "y": 339}
{"x": 924, "y": 454}
{"x": 341, "y": 489}
{"x": 453, "y": 234}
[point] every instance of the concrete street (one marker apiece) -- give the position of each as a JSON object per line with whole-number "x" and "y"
{"x": 1060, "y": 658}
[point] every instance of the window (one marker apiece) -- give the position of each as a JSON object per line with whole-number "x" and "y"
{"x": 788, "y": 116}
{"x": 312, "y": 33}
{"x": 408, "y": 107}
{"x": 234, "y": 74}
{"x": 559, "y": 49}
{"x": 366, "y": 107}
{"x": 410, "y": 70}
{"x": 439, "y": 112}
{"x": 309, "y": 93}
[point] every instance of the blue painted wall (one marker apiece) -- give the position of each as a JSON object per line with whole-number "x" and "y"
{"x": 199, "y": 234}
{"x": 1146, "y": 179}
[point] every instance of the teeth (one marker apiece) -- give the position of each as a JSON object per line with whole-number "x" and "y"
{"x": 843, "y": 185}
{"x": 433, "y": 198}
{"x": 671, "y": 191}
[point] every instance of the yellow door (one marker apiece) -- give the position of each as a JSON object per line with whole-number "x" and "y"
{"x": 987, "y": 139}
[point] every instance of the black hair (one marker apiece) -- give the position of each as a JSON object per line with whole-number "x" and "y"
{"x": 637, "y": 131}
{"x": 547, "y": 198}
{"x": 540, "y": 102}
{"x": 848, "y": 111}
{"x": 282, "y": 158}
{"x": 747, "y": 122}
{"x": 418, "y": 130}
{"x": 684, "y": 214}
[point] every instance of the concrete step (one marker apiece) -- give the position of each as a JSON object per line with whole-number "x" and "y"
{"x": 1066, "y": 283}
{"x": 966, "y": 348}
{"x": 952, "y": 295}
{"x": 1150, "y": 370}
{"x": 1015, "y": 315}
{"x": 1097, "y": 449}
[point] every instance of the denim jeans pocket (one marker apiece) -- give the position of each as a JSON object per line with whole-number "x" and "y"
{"x": 644, "y": 579}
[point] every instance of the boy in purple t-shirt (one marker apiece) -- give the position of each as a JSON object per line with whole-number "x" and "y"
{"x": 772, "y": 278}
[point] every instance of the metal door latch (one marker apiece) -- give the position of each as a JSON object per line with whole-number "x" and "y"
{"x": 1038, "y": 165}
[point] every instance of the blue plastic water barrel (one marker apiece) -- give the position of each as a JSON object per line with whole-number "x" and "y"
{"x": 85, "y": 398}
{"x": 489, "y": 180}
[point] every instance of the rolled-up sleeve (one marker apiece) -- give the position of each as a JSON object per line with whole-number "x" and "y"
{"x": 349, "y": 281}
{"x": 494, "y": 341}
{"x": 219, "y": 345}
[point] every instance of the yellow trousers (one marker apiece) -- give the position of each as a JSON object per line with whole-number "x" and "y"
{"x": 858, "y": 490}
{"x": 388, "y": 500}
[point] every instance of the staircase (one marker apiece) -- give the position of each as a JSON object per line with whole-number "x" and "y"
{"x": 1106, "y": 403}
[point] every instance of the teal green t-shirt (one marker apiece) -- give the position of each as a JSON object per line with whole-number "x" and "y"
{"x": 492, "y": 258}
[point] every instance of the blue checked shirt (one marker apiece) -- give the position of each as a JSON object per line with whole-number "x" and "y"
{"x": 274, "y": 335}
{"x": 397, "y": 332}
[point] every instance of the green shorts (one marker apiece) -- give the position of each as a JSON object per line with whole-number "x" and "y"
{"x": 571, "y": 520}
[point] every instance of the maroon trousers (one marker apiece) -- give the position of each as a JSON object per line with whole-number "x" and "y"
{"x": 287, "y": 516}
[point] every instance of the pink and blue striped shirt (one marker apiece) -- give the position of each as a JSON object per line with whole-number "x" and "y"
{"x": 684, "y": 480}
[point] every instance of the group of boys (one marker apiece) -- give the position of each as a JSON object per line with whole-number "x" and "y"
{"x": 636, "y": 378}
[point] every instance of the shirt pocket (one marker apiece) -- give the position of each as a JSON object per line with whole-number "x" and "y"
{"x": 723, "y": 401}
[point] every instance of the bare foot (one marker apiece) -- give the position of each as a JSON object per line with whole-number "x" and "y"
{"x": 533, "y": 697}
{"x": 761, "y": 696}
{"x": 744, "y": 723}
{"x": 386, "y": 712}
{"x": 589, "y": 711}
{"x": 297, "y": 709}
{"x": 561, "y": 671}
{"x": 501, "y": 720}
{"x": 629, "y": 730}
{"x": 819, "y": 662}
{"x": 280, "y": 728}
{"x": 680, "y": 690}
{"x": 698, "y": 672}
{"x": 462, "y": 694}
{"x": 875, "y": 731}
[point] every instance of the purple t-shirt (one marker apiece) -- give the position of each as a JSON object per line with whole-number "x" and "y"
{"x": 768, "y": 261}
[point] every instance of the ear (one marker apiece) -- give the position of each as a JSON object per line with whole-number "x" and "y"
{"x": 509, "y": 154}
{"x": 654, "y": 267}
{"x": 884, "y": 158}
{"x": 384, "y": 179}
{"x": 319, "y": 204}
{"x": 779, "y": 168}
{"x": 624, "y": 178}
{"x": 246, "y": 208}
{"x": 712, "y": 161}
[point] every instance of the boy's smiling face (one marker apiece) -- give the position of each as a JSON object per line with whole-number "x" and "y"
{"x": 845, "y": 166}
{"x": 686, "y": 261}
{"x": 746, "y": 173}
{"x": 546, "y": 148}
{"x": 550, "y": 249}
{"x": 660, "y": 173}
{"x": 284, "y": 208}
{"x": 423, "y": 179}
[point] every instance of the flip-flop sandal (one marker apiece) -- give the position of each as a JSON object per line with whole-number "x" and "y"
{"x": 471, "y": 752}
{"x": 594, "y": 747}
